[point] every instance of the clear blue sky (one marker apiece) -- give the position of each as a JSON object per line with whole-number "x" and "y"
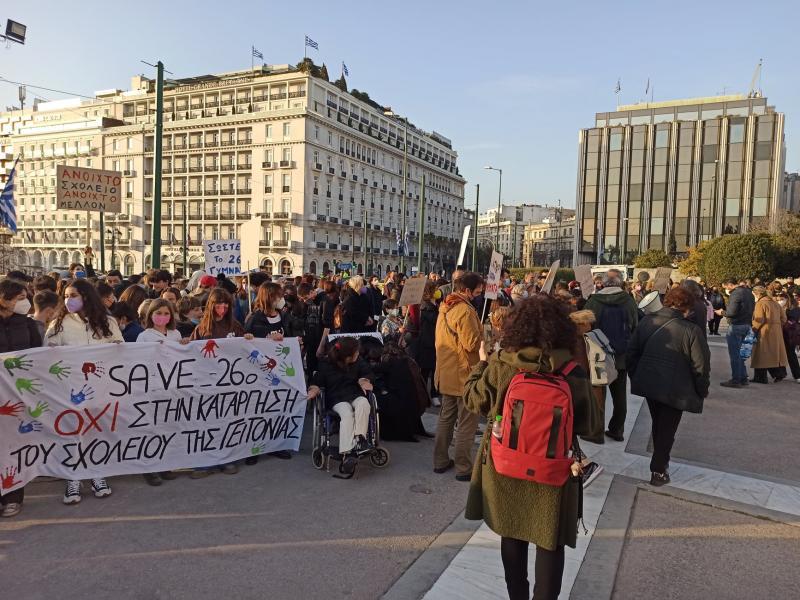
{"x": 509, "y": 82}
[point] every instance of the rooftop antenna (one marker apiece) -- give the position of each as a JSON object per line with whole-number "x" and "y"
{"x": 755, "y": 92}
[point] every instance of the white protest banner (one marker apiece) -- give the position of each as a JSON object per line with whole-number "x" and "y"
{"x": 413, "y": 289}
{"x": 583, "y": 275}
{"x": 493, "y": 278}
{"x": 79, "y": 188}
{"x": 223, "y": 256}
{"x": 370, "y": 334}
{"x": 114, "y": 409}
{"x": 464, "y": 242}
{"x": 547, "y": 286}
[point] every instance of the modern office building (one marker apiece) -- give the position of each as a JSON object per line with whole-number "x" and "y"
{"x": 669, "y": 174}
{"x": 318, "y": 167}
{"x": 549, "y": 241}
{"x": 791, "y": 192}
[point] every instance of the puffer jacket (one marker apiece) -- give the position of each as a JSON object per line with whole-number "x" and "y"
{"x": 673, "y": 367}
{"x": 76, "y": 332}
{"x": 458, "y": 338}
{"x": 542, "y": 514}
{"x": 18, "y": 332}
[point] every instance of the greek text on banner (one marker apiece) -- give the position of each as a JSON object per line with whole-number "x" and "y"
{"x": 114, "y": 409}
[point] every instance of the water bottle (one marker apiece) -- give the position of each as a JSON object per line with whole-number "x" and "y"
{"x": 497, "y": 428}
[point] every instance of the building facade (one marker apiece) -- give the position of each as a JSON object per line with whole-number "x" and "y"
{"x": 546, "y": 242}
{"x": 508, "y": 232}
{"x": 791, "y": 192}
{"x": 669, "y": 174}
{"x": 319, "y": 168}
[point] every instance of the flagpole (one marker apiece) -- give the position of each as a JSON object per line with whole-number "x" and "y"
{"x": 305, "y": 48}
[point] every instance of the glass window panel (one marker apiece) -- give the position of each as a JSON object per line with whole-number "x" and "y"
{"x": 614, "y": 160}
{"x": 613, "y": 193}
{"x": 662, "y": 138}
{"x": 682, "y": 208}
{"x": 589, "y": 210}
{"x": 615, "y": 143}
{"x": 763, "y": 131}
{"x": 740, "y": 111}
{"x": 734, "y": 190}
{"x": 734, "y": 170}
{"x": 760, "y": 206}
{"x": 660, "y": 174}
{"x": 637, "y": 175}
{"x": 709, "y": 154}
{"x": 612, "y": 210}
{"x": 736, "y": 134}
{"x": 638, "y": 140}
{"x": 591, "y": 176}
{"x": 613, "y": 176}
{"x": 711, "y": 113}
{"x": 592, "y": 160}
{"x": 659, "y": 192}
{"x": 593, "y": 143}
{"x": 761, "y": 187}
{"x": 657, "y": 225}
{"x": 618, "y": 121}
{"x": 686, "y": 138}
{"x": 684, "y": 172}
{"x": 590, "y": 193}
{"x": 635, "y": 191}
{"x": 637, "y": 158}
{"x": 601, "y": 122}
{"x": 731, "y": 225}
{"x": 762, "y": 169}
{"x": 735, "y": 151}
{"x": 640, "y": 120}
{"x": 663, "y": 118}
{"x": 732, "y": 207}
{"x": 707, "y": 189}
{"x": 634, "y": 210}
{"x": 759, "y": 110}
{"x": 687, "y": 115}
{"x": 683, "y": 191}
{"x": 763, "y": 150}
{"x": 660, "y": 157}
{"x": 657, "y": 209}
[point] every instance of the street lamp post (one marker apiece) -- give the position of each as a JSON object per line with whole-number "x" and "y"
{"x": 499, "y": 196}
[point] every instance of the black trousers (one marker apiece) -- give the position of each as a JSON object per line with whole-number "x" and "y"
{"x": 760, "y": 375}
{"x": 713, "y": 324}
{"x": 619, "y": 399}
{"x": 17, "y": 496}
{"x": 794, "y": 364}
{"x": 549, "y": 570}
{"x": 427, "y": 375}
{"x": 665, "y": 423}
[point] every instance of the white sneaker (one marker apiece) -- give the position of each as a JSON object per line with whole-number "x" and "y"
{"x": 100, "y": 488}
{"x": 11, "y": 509}
{"x": 72, "y": 495}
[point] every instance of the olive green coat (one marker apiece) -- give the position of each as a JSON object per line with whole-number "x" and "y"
{"x": 541, "y": 514}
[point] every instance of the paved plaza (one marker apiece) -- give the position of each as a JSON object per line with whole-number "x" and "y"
{"x": 280, "y": 529}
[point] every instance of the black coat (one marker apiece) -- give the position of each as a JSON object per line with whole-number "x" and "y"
{"x": 376, "y": 299}
{"x": 341, "y": 385}
{"x": 19, "y": 332}
{"x": 426, "y": 346}
{"x": 258, "y": 324}
{"x": 356, "y": 311}
{"x": 672, "y": 368}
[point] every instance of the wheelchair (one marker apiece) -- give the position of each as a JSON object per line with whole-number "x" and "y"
{"x": 325, "y": 437}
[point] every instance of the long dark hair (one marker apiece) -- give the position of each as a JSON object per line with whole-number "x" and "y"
{"x": 341, "y": 350}
{"x": 133, "y": 295}
{"x": 216, "y": 296}
{"x": 93, "y": 312}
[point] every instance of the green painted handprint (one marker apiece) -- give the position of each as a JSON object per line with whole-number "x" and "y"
{"x": 36, "y": 411}
{"x": 287, "y": 369}
{"x": 28, "y": 385}
{"x": 17, "y": 362}
{"x": 59, "y": 371}
{"x": 256, "y": 450}
{"x": 284, "y": 350}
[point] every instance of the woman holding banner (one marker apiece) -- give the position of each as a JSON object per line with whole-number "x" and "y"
{"x": 83, "y": 320}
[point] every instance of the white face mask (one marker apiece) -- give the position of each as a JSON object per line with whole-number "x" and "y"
{"x": 22, "y": 306}
{"x": 280, "y": 304}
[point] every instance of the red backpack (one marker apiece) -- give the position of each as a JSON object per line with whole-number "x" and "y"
{"x": 537, "y": 428}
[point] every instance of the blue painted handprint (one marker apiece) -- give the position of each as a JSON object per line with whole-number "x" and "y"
{"x": 254, "y": 357}
{"x": 28, "y": 427}
{"x": 272, "y": 379}
{"x": 83, "y": 394}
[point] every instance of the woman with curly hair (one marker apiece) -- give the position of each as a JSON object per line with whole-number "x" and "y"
{"x": 83, "y": 320}
{"x": 538, "y": 336}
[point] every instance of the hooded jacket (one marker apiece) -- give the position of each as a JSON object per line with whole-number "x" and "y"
{"x": 458, "y": 337}
{"x": 619, "y": 325}
{"x": 544, "y": 515}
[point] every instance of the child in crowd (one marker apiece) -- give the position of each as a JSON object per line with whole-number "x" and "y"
{"x": 189, "y": 314}
{"x": 44, "y": 307}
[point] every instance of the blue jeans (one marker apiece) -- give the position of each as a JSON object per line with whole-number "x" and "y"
{"x": 735, "y": 337}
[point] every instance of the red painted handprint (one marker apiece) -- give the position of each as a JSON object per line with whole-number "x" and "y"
{"x": 209, "y": 349}
{"x": 91, "y": 369}
{"x": 7, "y": 482}
{"x": 269, "y": 365}
{"x": 11, "y": 410}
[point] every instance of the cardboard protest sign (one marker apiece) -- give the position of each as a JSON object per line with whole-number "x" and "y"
{"x": 114, "y": 409}
{"x": 79, "y": 188}
{"x": 583, "y": 275}
{"x": 413, "y": 290}
{"x": 493, "y": 277}
{"x": 464, "y": 242}
{"x": 661, "y": 281}
{"x": 547, "y": 286}
{"x": 223, "y": 256}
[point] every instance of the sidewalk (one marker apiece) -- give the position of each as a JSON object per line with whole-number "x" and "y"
{"x": 663, "y": 542}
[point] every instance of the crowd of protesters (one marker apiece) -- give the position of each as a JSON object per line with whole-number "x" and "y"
{"x": 455, "y": 349}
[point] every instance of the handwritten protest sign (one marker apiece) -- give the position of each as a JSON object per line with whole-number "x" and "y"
{"x": 114, "y": 409}
{"x": 223, "y": 256}
{"x": 413, "y": 290}
{"x": 80, "y": 188}
{"x": 583, "y": 275}
{"x": 547, "y": 286}
{"x": 493, "y": 278}
{"x": 661, "y": 281}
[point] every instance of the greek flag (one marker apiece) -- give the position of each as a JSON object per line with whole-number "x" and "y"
{"x": 345, "y": 70}
{"x": 400, "y": 245}
{"x": 257, "y": 54}
{"x": 405, "y": 243}
{"x": 8, "y": 215}
{"x": 311, "y": 43}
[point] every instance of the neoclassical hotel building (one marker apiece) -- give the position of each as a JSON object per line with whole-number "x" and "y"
{"x": 279, "y": 144}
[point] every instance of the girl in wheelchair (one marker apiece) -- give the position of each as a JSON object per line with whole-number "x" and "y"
{"x": 346, "y": 379}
